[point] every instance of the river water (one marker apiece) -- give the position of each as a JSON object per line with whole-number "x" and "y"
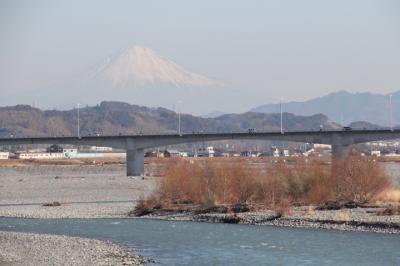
{"x": 189, "y": 243}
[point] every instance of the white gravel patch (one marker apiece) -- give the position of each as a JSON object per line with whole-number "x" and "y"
{"x": 90, "y": 210}
{"x": 84, "y": 191}
{"x": 38, "y": 249}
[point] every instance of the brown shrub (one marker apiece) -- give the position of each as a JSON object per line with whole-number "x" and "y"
{"x": 181, "y": 182}
{"x": 242, "y": 183}
{"x": 270, "y": 190}
{"x": 142, "y": 208}
{"x": 357, "y": 179}
{"x": 279, "y": 184}
{"x": 300, "y": 181}
{"x": 52, "y": 204}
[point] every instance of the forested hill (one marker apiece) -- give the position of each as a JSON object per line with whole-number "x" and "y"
{"x": 121, "y": 118}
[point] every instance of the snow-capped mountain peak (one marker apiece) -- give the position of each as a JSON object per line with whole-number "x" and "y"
{"x": 140, "y": 66}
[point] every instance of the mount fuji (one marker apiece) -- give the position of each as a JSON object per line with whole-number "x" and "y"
{"x": 139, "y": 67}
{"x": 139, "y": 75}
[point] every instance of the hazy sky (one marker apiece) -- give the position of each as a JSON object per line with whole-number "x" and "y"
{"x": 279, "y": 49}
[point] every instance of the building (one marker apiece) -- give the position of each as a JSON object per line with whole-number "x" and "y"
{"x": 249, "y": 154}
{"x": 40, "y": 156}
{"x": 151, "y": 154}
{"x": 245, "y": 154}
{"x": 4, "y": 155}
{"x": 93, "y": 155}
{"x": 54, "y": 148}
{"x": 172, "y": 153}
{"x": 275, "y": 152}
{"x": 206, "y": 152}
{"x": 96, "y": 148}
{"x": 184, "y": 154}
{"x": 317, "y": 146}
{"x": 70, "y": 153}
{"x": 375, "y": 153}
{"x": 285, "y": 153}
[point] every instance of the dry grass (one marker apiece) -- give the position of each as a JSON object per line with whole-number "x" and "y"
{"x": 389, "y": 195}
{"x": 277, "y": 184}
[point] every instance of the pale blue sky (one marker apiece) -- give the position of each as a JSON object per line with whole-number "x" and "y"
{"x": 278, "y": 49}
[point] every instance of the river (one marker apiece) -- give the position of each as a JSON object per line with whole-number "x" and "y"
{"x": 189, "y": 243}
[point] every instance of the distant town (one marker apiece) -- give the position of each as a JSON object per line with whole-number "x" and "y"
{"x": 378, "y": 148}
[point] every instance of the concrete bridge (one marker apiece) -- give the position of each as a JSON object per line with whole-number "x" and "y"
{"x": 135, "y": 144}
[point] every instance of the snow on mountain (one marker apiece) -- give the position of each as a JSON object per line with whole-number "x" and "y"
{"x": 141, "y": 66}
{"x": 139, "y": 75}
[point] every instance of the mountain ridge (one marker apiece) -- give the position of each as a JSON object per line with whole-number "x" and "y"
{"x": 345, "y": 107}
{"x": 113, "y": 118}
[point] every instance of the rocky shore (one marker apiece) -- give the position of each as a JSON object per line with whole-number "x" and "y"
{"x": 35, "y": 249}
{"x": 355, "y": 219}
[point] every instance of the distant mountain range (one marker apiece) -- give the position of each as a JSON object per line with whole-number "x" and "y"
{"x": 112, "y": 118}
{"x": 345, "y": 107}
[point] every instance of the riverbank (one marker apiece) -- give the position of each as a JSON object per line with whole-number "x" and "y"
{"x": 104, "y": 191}
{"x": 40, "y": 249}
{"x": 357, "y": 219}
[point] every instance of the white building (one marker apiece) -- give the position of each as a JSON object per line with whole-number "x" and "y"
{"x": 375, "y": 153}
{"x": 96, "y": 148}
{"x": 322, "y": 146}
{"x": 285, "y": 153}
{"x": 40, "y": 155}
{"x": 69, "y": 153}
{"x": 4, "y": 155}
{"x": 184, "y": 154}
{"x": 89, "y": 155}
{"x": 206, "y": 152}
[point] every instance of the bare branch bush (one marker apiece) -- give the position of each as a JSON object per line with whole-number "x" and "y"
{"x": 272, "y": 184}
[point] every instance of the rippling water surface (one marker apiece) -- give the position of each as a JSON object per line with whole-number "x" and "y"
{"x": 188, "y": 243}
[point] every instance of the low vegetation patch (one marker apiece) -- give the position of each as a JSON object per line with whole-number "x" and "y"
{"x": 52, "y": 204}
{"x": 389, "y": 195}
{"x": 235, "y": 186}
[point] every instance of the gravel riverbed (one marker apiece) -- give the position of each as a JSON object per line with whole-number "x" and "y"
{"x": 35, "y": 249}
{"x": 93, "y": 191}
{"x": 84, "y": 191}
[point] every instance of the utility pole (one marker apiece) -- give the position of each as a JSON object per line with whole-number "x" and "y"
{"x": 179, "y": 118}
{"x": 79, "y": 133}
{"x": 280, "y": 107}
{"x": 179, "y": 124}
{"x": 391, "y": 112}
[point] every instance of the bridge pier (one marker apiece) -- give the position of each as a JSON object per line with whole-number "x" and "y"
{"x": 134, "y": 162}
{"x": 340, "y": 151}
